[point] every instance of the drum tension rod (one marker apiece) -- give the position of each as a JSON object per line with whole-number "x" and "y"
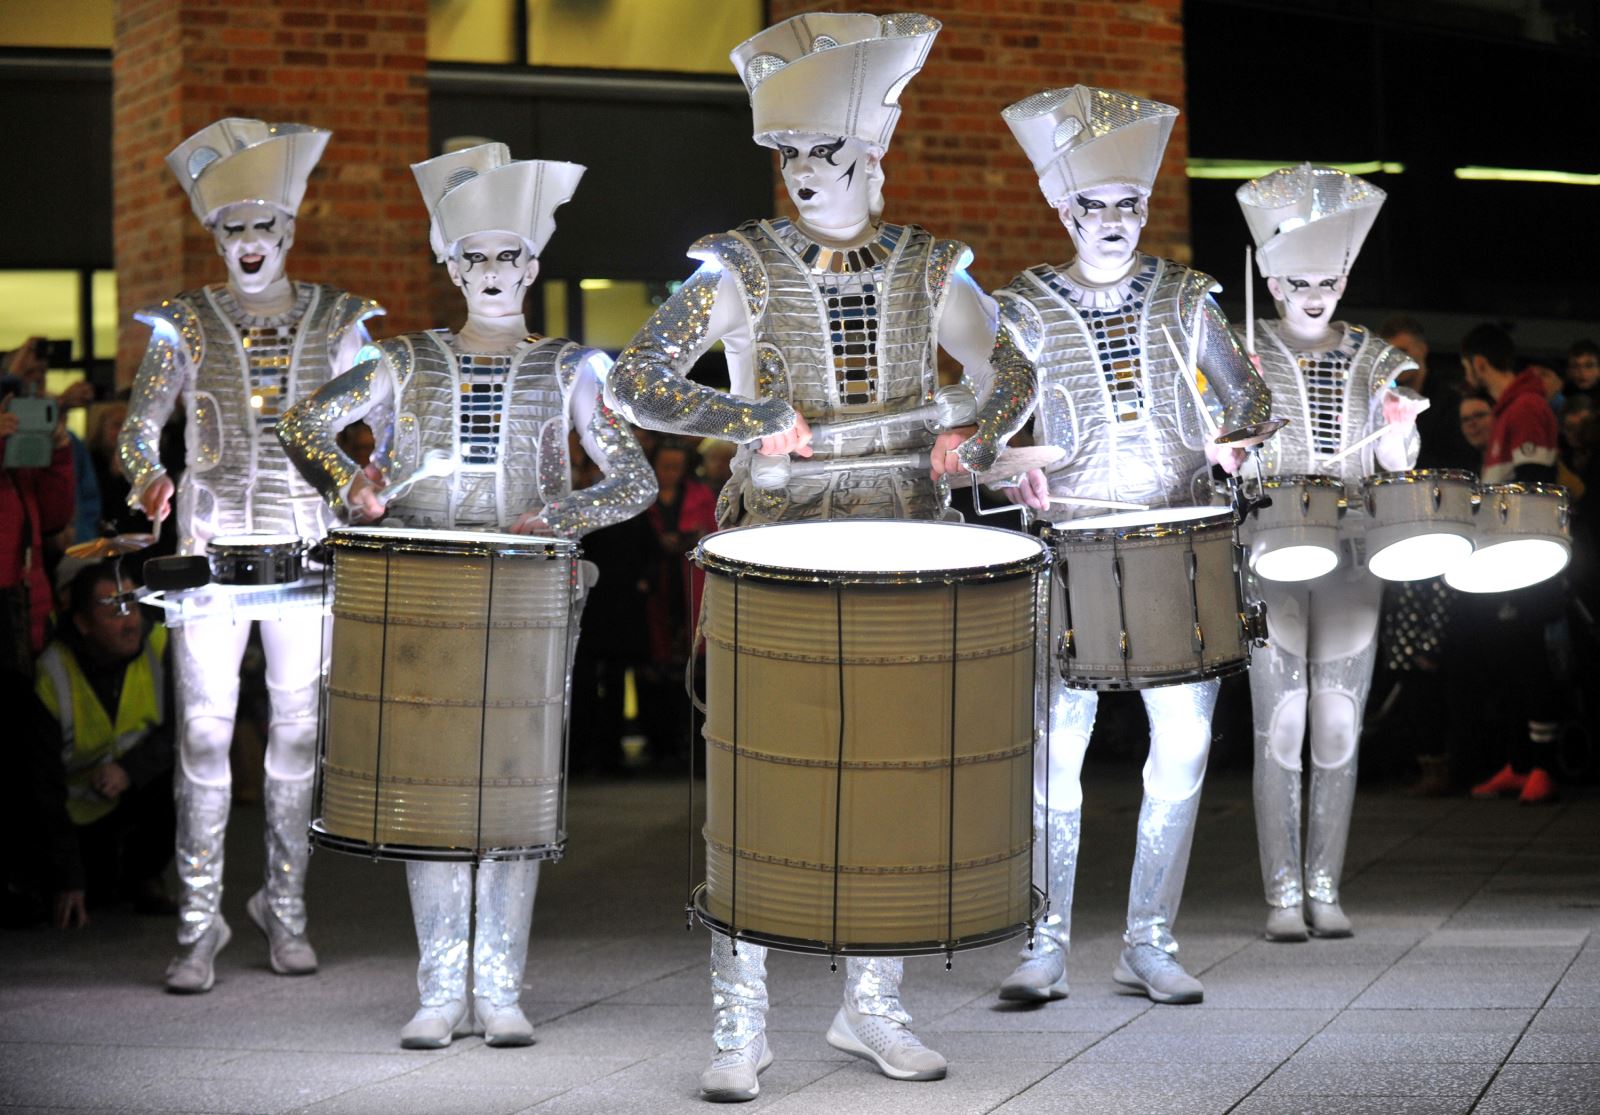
{"x": 1194, "y": 599}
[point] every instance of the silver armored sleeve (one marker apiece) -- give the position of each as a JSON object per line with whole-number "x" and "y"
{"x": 155, "y": 393}
{"x": 648, "y": 385}
{"x": 629, "y": 483}
{"x": 1244, "y": 395}
{"x": 309, "y": 430}
{"x": 1010, "y": 402}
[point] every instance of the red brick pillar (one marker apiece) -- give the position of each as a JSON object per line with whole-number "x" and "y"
{"x": 353, "y": 67}
{"x": 954, "y": 165}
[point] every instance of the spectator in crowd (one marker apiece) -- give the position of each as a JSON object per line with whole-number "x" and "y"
{"x": 25, "y": 369}
{"x": 1441, "y": 445}
{"x": 716, "y": 463}
{"x": 1521, "y": 447}
{"x": 1476, "y": 415}
{"x": 35, "y": 503}
{"x": 684, "y": 513}
{"x": 105, "y": 423}
{"x": 1583, "y": 368}
{"x": 1580, "y": 438}
{"x": 104, "y": 680}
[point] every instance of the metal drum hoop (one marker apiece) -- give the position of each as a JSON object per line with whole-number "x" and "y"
{"x": 448, "y": 543}
{"x": 413, "y": 853}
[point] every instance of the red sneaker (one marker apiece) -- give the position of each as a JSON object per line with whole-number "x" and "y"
{"x": 1539, "y": 789}
{"x": 1502, "y": 783}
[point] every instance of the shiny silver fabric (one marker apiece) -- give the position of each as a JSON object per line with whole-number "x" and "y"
{"x": 1333, "y": 795}
{"x": 738, "y": 992}
{"x": 1278, "y": 690}
{"x": 1055, "y": 868}
{"x": 407, "y": 391}
{"x": 238, "y": 480}
{"x": 872, "y": 986}
{"x": 444, "y": 897}
{"x": 1110, "y": 391}
{"x": 288, "y": 814}
{"x": 202, "y": 820}
{"x": 1160, "y": 862}
{"x": 1331, "y": 399}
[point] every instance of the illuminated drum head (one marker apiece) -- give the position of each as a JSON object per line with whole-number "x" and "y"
{"x": 243, "y": 541}
{"x": 1419, "y": 557}
{"x": 1295, "y": 563}
{"x": 869, "y": 550}
{"x": 1509, "y": 565}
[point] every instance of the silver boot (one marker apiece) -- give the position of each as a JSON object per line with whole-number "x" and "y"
{"x": 505, "y": 893}
{"x": 739, "y": 1021}
{"x": 1333, "y": 795}
{"x": 441, "y": 908}
{"x": 1277, "y": 804}
{"x": 279, "y": 908}
{"x": 875, "y": 1026}
{"x": 1042, "y": 975}
{"x": 202, "y": 821}
{"x": 1161, "y": 861}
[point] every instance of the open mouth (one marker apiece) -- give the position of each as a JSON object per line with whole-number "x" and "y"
{"x": 491, "y": 290}
{"x": 251, "y": 264}
{"x": 807, "y": 193}
{"x": 1314, "y": 313}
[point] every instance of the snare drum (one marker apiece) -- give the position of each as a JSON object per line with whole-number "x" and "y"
{"x": 1420, "y": 522}
{"x": 256, "y": 559}
{"x": 446, "y": 695}
{"x": 1296, "y": 536}
{"x": 1523, "y": 537}
{"x": 1151, "y": 598}
{"x": 869, "y": 735}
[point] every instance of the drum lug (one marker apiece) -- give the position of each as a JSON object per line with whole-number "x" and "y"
{"x": 1253, "y": 622}
{"x": 1305, "y": 501}
{"x": 1193, "y": 564}
{"x": 1438, "y": 497}
{"x": 1199, "y": 640}
{"x": 1122, "y": 644}
{"x": 1505, "y": 509}
{"x": 1066, "y": 646}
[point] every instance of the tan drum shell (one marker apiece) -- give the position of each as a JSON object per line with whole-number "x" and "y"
{"x": 892, "y": 795}
{"x": 446, "y": 701}
{"x": 1305, "y": 511}
{"x": 1152, "y": 617}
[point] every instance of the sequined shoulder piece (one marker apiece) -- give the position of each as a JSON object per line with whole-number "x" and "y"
{"x": 571, "y": 361}
{"x": 398, "y": 351}
{"x": 1194, "y": 287}
{"x": 1021, "y": 318}
{"x": 1390, "y": 362}
{"x": 179, "y": 315}
{"x": 733, "y": 253}
{"x": 349, "y": 310}
{"x": 945, "y": 258}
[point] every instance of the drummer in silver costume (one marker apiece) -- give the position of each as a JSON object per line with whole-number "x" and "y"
{"x": 498, "y": 406}
{"x": 1116, "y": 399}
{"x": 831, "y": 316}
{"x": 238, "y": 355}
{"x": 1334, "y": 382}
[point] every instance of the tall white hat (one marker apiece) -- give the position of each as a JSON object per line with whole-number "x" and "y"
{"x": 482, "y": 189}
{"x": 1309, "y": 220}
{"x": 1081, "y": 137}
{"x": 243, "y": 160}
{"x": 833, "y": 73}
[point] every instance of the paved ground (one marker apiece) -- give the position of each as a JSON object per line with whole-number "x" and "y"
{"x": 1473, "y": 984}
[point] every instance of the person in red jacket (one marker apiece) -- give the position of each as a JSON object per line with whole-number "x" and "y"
{"x": 1523, "y": 448}
{"x": 34, "y": 504}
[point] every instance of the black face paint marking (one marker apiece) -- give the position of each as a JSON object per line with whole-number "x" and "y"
{"x": 826, "y": 151}
{"x": 787, "y": 153}
{"x": 848, "y": 176}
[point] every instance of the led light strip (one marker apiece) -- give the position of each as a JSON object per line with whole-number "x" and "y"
{"x": 1248, "y": 168}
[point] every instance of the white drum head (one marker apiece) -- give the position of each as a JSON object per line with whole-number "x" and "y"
{"x": 1295, "y": 563}
{"x": 1419, "y": 557}
{"x": 1509, "y": 565}
{"x": 868, "y": 546}
{"x": 1155, "y": 516}
{"x": 237, "y": 541}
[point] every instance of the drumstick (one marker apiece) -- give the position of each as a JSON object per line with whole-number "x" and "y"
{"x": 1370, "y": 438}
{"x": 1249, "y": 303}
{"x": 1187, "y": 375}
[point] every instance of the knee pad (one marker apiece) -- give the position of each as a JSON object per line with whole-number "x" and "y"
{"x": 203, "y": 750}
{"x": 1335, "y": 728}
{"x": 291, "y": 749}
{"x": 1177, "y": 763}
{"x": 1286, "y": 731}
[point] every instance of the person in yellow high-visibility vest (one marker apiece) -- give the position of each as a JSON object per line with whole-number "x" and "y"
{"x": 104, "y": 679}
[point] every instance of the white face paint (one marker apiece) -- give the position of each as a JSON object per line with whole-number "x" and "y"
{"x": 1104, "y": 223}
{"x": 828, "y": 179}
{"x": 254, "y": 240}
{"x": 494, "y": 271}
{"x": 1306, "y": 303}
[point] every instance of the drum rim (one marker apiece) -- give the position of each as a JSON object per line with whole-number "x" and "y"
{"x": 418, "y": 542}
{"x": 1141, "y": 681}
{"x": 420, "y": 853}
{"x": 757, "y": 571}
{"x": 233, "y": 545}
{"x": 813, "y": 947}
{"x": 1223, "y": 517}
{"x": 1419, "y": 476}
{"x": 1310, "y": 479}
{"x": 1528, "y": 488}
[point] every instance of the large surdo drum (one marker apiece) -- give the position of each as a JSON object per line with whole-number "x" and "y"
{"x": 869, "y": 735}
{"x": 446, "y": 697}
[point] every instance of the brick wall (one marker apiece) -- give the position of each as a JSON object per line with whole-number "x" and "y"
{"x": 954, "y": 166}
{"x": 355, "y": 67}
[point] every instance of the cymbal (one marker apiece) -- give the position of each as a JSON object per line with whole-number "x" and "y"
{"x": 1254, "y": 434}
{"x": 115, "y": 546}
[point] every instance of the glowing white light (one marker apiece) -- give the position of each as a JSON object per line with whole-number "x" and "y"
{"x": 1507, "y": 174}
{"x": 256, "y": 401}
{"x": 1152, "y": 517}
{"x": 1295, "y": 563}
{"x": 871, "y": 547}
{"x": 1420, "y": 557}
{"x": 1509, "y": 565}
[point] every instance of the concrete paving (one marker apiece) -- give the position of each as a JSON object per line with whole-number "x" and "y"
{"x": 1472, "y": 984}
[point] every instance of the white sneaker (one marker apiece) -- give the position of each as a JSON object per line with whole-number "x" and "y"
{"x": 504, "y": 1027}
{"x": 194, "y": 970}
{"x": 731, "y": 1077}
{"x": 290, "y": 954}
{"x": 435, "y": 1027}
{"x": 1040, "y": 978}
{"x": 1158, "y": 974}
{"x": 890, "y": 1045}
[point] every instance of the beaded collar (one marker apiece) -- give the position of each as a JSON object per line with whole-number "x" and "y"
{"x": 235, "y": 313}
{"x": 1130, "y": 288}
{"x": 863, "y": 257}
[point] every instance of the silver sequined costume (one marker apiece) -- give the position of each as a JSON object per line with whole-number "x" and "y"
{"x": 1111, "y": 394}
{"x": 506, "y": 419}
{"x": 1317, "y": 667}
{"x": 236, "y": 374}
{"x": 831, "y": 334}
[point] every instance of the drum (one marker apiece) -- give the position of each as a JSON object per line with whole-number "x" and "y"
{"x": 1523, "y": 537}
{"x": 445, "y": 703}
{"x": 256, "y": 559}
{"x": 1421, "y": 522}
{"x": 1151, "y": 598}
{"x": 869, "y": 735}
{"x": 1296, "y": 536}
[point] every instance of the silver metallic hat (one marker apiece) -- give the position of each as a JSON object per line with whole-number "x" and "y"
{"x": 833, "y": 73}
{"x": 1309, "y": 220}
{"x": 1081, "y": 137}
{"x": 238, "y": 159}
{"x": 482, "y": 189}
